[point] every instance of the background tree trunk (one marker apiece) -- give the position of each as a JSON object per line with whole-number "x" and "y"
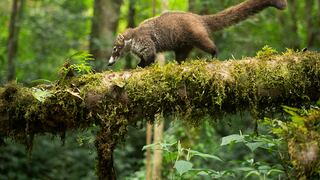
{"x": 149, "y": 126}
{"x": 131, "y": 24}
{"x": 159, "y": 127}
{"x": 14, "y": 28}
{"x": 192, "y": 4}
{"x": 318, "y": 22}
{"x": 148, "y": 153}
{"x": 311, "y": 31}
{"x": 157, "y": 156}
{"x": 295, "y": 42}
{"x": 104, "y": 24}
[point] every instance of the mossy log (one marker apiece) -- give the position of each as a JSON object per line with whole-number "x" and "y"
{"x": 192, "y": 90}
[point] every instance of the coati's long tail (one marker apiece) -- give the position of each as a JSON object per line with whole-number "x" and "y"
{"x": 240, "y": 12}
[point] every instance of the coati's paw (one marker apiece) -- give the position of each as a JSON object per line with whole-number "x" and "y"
{"x": 280, "y": 4}
{"x": 215, "y": 53}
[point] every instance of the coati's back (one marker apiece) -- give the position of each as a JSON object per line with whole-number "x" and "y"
{"x": 179, "y": 28}
{"x": 223, "y": 19}
{"x": 173, "y": 29}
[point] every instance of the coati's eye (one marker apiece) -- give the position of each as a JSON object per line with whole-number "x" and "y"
{"x": 114, "y": 48}
{"x": 119, "y": 47}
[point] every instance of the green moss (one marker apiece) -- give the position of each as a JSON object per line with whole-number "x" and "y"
{"x": 266, "y": 52}
{"x": 192, "y": 90}
{"x": 14, "y": 102}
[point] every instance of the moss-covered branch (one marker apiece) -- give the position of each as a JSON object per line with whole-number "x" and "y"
{"x": 192, "y": 90}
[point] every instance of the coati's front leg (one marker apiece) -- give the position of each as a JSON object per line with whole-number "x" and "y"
{"x": 145, "y": 49}
{"x": 147, "y": 56}
{"x": 146, "y": 61}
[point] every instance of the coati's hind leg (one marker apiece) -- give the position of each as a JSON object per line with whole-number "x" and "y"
{"x": 207, "y": 45}
{"x": 182, "y": 53}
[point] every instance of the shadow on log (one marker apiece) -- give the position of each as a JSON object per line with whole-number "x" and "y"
{"x": 192, "y": 90}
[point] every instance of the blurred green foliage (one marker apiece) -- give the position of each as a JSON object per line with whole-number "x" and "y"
{"x": 49, "y": 159}
{"x": 53, "y": 30}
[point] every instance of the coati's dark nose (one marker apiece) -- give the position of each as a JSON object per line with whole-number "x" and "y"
{"x": 110, "y": 64}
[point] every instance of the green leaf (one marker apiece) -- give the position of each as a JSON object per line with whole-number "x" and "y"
{"x": 252, "y": 173}
{"x": 183, "y": 166}
{"x": 202, "y": 173}
{"x": 292, "y": 111}
{"x": 41, "y": 95}
{"x": 43, "y": 81}
{"x": 165, "y": 146}
{"x": 255, "y": 145}
{"x": 264, "y": 169}
{"x": 244, "y": 169}
{"x": 204, "y": 155}
{"x": 274, "y": 171}
{"x": 149, "y": 146}
{"x": 231, "y": 139}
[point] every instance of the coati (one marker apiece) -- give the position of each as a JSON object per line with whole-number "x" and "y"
{"x": 181, "y": 31}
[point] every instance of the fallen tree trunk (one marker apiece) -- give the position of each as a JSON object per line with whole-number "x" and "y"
{"x": 113, "y": 100}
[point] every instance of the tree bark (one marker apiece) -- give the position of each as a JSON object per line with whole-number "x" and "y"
{"x": 14, "y": 29}
{"x": 104, "y": 25}
{"x": 105, "y": 147}
{"x": 192, "y": 90}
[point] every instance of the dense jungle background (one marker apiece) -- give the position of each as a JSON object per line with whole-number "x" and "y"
{"x": 37, "y": 36}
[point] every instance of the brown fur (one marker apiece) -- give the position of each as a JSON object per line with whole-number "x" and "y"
{"x": 181, "y": 31}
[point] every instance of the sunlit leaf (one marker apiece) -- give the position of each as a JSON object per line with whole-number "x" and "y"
{"x": 234, "y": 138}
{"x": 183, "y": 166}
{"x": 149, "y": 146}
{"x": 264, "y": 169}
{"x": 204, "y": 155}
{"x": 41, "y": 95}
{"x": 255, "y": 145}
{"x": 252, "y": 173}
{"x": 275, "y": 171}
{"x": 41, "y": 81}
{"x": 202, "y": 173}
{"x": 244, "y": 169}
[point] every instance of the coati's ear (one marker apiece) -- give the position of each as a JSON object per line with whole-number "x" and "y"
{"x": 127, "y": 42}
{"x": 120, "y": 39}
